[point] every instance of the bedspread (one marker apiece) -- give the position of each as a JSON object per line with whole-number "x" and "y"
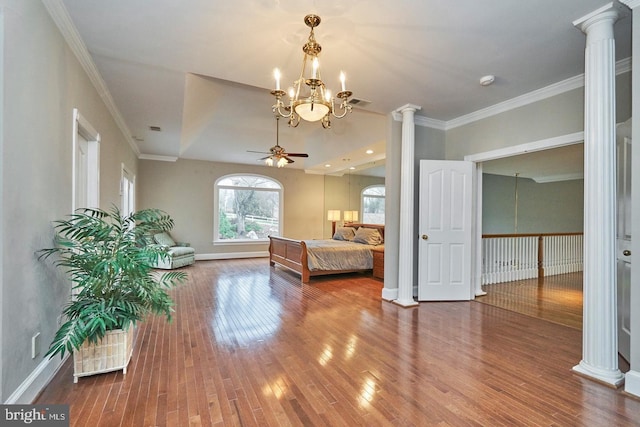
{"x": 323, "y": 255}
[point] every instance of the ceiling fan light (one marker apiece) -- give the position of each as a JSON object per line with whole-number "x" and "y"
{"x": 268, "y": 161}
{"x": 311, "y": 111}
{"x": 282, "y": 162}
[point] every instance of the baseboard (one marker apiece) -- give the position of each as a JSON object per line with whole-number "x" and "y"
{"x": 232, "y": 255}
{"x": 632, "y": 383}
{"x": 389, "y": 294}
{"x": 31, "y": 387}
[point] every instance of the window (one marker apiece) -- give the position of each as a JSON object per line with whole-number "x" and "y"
{"x": 373, "y": 205}
{"x": 248, "y": 208}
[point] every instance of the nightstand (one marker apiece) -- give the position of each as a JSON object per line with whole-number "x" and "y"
{"x": 378, "y": 262}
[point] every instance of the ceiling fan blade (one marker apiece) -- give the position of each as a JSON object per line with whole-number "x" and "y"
{"x": 259, "y": 152}
{"x": 298, "y": 154}
{"x": 264, "y": 158}
{"x": 288, "y": 159}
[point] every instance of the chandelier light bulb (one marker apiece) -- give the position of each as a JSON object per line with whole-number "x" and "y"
{"x": 276, "y": 74}
{"x": 343, "y": 79}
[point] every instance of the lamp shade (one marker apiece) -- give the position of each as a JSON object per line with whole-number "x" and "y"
{"x": 333, "y": 215}
{"x": 350, "y": 216}
{"x": 311, "y": 111}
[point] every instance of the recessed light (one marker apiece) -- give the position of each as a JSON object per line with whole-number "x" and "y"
{"x": 352, "y": 168}
{"x": 327, "y": 165}
{"x": 369, "y": 151}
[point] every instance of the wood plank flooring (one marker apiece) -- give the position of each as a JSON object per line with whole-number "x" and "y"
{"x": 251, "y": 346}
{"x": 555, "y": 298}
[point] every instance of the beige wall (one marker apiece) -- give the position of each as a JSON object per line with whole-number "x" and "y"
{"x": 42, "y": 83}
{"x": 184, "y": 189}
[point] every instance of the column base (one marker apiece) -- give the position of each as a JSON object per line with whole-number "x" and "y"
{"x": 389, "y": 294}
{"x": 614, "y": 378}
{"x": 406, "y": 303}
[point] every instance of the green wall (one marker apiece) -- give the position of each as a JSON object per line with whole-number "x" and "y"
{"x": 551, "y": 207}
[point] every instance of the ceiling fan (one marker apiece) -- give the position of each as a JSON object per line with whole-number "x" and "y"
{"x": 278, "y": 154}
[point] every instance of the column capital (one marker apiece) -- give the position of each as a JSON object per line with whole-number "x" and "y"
{"x": 411, "y": 107}
{"x": 609, "y": 12}
{"x": 632, "y": 4}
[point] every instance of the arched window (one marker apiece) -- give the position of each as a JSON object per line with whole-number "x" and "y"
{"x": 373, "y": 204}
{"x": 248, "y": 208}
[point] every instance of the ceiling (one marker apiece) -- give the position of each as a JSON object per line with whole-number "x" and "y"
{"x": 201, "y": 70}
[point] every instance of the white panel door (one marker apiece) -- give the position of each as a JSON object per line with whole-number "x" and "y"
{"x": 445, "y": 224}
{"x": 623, "y": 239}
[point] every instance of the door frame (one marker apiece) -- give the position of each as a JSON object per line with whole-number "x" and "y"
{"x": 83, "y": 128}
{"x": 478, "y": 158}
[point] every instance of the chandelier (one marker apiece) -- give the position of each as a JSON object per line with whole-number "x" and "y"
{"x": 309, "y": 99}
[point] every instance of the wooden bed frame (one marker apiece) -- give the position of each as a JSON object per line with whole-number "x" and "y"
{"x": 292, "y": 254}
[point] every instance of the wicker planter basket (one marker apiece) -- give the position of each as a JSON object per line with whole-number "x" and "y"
{"x": 112, "y": 353}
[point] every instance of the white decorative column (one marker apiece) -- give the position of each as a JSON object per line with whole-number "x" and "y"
{"x": 632, "y": 377}
{"x": 407, "y": 235}
{"x": 599, "y": 327}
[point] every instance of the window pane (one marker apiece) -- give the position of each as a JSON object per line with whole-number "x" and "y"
{"x": 249, "y": 212}
{"x": 374, "y": 191}
{"x": 248, "y": 181}
{"x": 373, "y": 205}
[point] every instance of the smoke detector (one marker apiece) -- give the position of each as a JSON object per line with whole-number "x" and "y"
{"x": 487, "y": 80}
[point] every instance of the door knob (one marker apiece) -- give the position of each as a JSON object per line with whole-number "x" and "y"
{"x": 626, "y": 252}
{"x": 425, "y": 237}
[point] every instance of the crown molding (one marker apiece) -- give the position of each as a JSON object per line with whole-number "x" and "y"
{"x": 557, "y": 178}
{"x": 631, "y": 3}
{"x": 519, "y": 101}
{"x": 61, "y": 17}
{"x": 622, "y": 66}
{"x": 157, "y": 158}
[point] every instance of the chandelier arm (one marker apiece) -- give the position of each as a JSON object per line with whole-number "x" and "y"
{"x": 344, "y": 105}
{"x": 277, "y": 109}
{"x": 326, "y": 122}
{"x": 294, "y": 120}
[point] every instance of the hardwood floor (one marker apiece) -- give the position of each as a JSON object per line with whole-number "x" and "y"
{"x": 251, "y": 346}
{"x": 555, "y": 298}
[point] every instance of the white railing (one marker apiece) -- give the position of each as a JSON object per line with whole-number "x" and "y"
{"x": 510, "y": 257}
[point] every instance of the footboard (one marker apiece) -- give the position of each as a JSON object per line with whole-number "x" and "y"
{"x": 291, "y": 254}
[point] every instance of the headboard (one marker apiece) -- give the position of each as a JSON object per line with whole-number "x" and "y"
{"x": 379, "y": 227}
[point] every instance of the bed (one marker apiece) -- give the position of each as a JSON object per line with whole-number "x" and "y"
{"x": 321, "y": 257}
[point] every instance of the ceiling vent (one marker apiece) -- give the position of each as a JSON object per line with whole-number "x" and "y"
{"x": 356, "y": 102}
{"x": 155, "y": 128}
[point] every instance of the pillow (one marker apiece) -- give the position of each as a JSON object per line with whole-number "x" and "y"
{"x": 368, "y": 236}
{"x": 164, "y": 239}
{"x": 344, "y": 233}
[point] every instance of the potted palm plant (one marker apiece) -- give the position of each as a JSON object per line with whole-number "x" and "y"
{"x": 108, "y": 258}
